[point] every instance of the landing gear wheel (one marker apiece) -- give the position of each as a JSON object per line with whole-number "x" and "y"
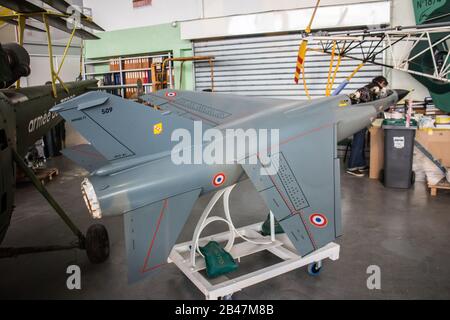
{"x": 227, "y": 297}
{"x": 97, "y": 243}
{"x": 314, "y": 269}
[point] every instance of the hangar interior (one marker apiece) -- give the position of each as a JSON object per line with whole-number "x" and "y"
{"x": 363, "y": 207}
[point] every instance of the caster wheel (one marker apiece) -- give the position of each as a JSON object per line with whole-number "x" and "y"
{"x": 314, "y": 269}
{"x": 97, "y": 243}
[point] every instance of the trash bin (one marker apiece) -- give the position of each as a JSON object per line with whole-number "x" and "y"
{"x": 398, "y": 154}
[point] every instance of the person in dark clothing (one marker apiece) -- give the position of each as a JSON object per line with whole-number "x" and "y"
{"x": 375, "y": 90}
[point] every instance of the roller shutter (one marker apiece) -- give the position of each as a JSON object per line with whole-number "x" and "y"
{"x": 264, "y": 66}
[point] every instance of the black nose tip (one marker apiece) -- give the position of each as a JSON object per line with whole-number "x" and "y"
{"x": 401, "y": 93}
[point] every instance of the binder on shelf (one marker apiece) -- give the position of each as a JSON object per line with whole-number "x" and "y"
{"x": 114, "y": 65}
{"x": 118, "y": 71}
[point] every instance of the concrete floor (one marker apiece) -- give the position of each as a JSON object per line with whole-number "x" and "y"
{"x": 405, "y": 232}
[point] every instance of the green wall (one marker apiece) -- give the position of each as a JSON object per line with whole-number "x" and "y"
{"x": 152, "y": 39}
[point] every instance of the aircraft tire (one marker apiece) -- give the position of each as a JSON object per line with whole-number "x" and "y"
{"x": 97, "y": 243}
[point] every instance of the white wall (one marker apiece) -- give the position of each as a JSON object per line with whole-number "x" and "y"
{"x": 220, "y": 8}
{"x": 40, "y": 69}
{"x": 327, "y": 17}
{"x": 120, "y": 14}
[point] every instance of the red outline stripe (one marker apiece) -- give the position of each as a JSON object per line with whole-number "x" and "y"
{"x": 313, "y": 242}
{"x": 149, "y": 251}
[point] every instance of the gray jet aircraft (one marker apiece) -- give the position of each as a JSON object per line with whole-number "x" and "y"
{"x": 132, "y": 172}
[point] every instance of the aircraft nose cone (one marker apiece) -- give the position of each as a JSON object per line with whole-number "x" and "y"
{"x": 401, "y": 93}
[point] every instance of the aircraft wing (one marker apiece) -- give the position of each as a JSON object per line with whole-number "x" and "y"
{"x": 212, "y": 108}
{"x": 23, "y": 6}
{"x": 151, "y": 232}
{"x": 67, "y": 27}
{"x": 64, "y": 7}
{"x": 304, "y": 194}
{"x": 10, "y": 20}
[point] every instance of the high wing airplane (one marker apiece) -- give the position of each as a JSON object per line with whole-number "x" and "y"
{"x": 424, "y": 49}
{"x": 421, "y": 50}
{"x": 132, "y": 173}
{"x": 68, "y": 19}
{"x": 24, "y": 118}
{"x": 56, "y": 20}
{"x": 25, "y": 115}
{"x": 425, "y": 46}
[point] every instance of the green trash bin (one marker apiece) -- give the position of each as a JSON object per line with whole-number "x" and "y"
{"x": 398, "y": 154}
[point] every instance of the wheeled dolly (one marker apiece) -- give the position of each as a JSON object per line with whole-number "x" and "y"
{"x": 224, "y": 287}
{"x": 187, "y": 257}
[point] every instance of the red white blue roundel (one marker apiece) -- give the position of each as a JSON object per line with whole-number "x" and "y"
{"x": 218, "y": 179}
{"x": 318, "y": 220}
{"x": 171, "y": 94}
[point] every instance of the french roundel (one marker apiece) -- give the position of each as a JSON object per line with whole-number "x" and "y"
{"x": 218, "y": 179}
{"x": 171, "y": 94}
{"x": 318, "y": 220}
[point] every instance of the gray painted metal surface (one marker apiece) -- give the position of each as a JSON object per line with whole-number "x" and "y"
{"x": 156, "y": 196}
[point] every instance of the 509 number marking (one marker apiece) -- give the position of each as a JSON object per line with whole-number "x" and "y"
{"x": 107, "y": 110}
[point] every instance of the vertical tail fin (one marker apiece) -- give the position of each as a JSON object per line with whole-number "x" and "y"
{"x": 120, "y": 128}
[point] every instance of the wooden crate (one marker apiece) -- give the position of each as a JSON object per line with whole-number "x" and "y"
{"x": 44, "y": 175}
{"x": 443, "y": 184}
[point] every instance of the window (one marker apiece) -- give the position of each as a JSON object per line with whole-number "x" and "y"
{"x": 141, "y": 3}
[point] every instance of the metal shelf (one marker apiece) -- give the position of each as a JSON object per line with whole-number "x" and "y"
{"x": 133, "y": 70}
{"x": 122, "y": 86}
{"x": 119, "y": 86}
{"x": 117, "y": 71}
{"x": 93, "y": 61}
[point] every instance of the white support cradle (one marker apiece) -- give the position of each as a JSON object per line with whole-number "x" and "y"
{"x": 185, "y": 255}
